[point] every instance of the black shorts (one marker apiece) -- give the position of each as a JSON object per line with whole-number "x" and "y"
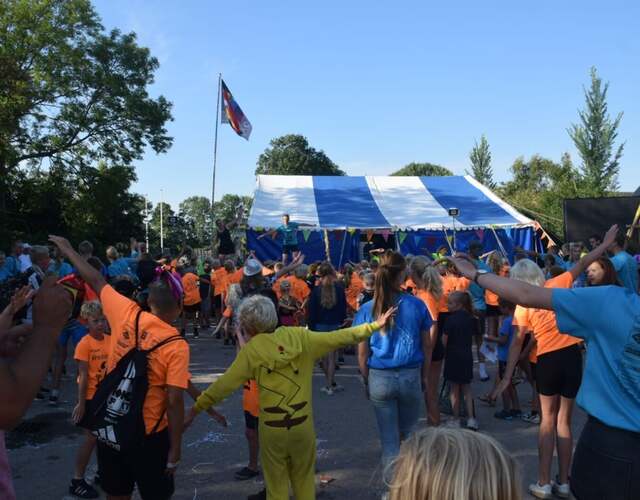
{"x": 143, "y": 466}
{"x": 481, "y": 317}
{"x": 193, "y": 308}
{"x": 560, "y": 372}
{"x": 250, "y": 421}
{"x": 492, "y": 311}
{"x": 290, "y": 248}
{"x": 438, "y": 350}
{"x": 534, "y": 370}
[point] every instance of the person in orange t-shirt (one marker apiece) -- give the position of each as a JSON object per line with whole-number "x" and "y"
{"x": 91, "y": 354}
{"x": 354, "y": 288}
{"x": 192, "y": 299}
{"x": 152, "y": 465}
{"x": 428, "y": 284}
{"x": 500, "y": 267}
{"x": 558, "y": 370}
{"x": 218, "y": 278}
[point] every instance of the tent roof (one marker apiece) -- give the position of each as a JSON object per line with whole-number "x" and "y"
{"x": 342, "y": 202}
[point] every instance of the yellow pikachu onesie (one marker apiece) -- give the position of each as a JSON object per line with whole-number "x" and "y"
{"x": 282, "y": 364}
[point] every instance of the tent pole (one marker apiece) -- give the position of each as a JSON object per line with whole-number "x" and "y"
{"x": 326, "y": 245}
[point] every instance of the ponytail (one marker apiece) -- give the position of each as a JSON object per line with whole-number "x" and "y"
{"x": 387, "y": 287}
{"x": 327, "y": 273}
{"x": 426, "y": 277}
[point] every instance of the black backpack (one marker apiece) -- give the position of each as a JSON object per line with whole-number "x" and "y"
{"x": 115, "y": 413}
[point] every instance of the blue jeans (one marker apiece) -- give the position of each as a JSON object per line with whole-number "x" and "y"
{"x": 397, "y": 398}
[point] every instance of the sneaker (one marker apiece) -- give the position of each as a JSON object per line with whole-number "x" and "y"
{"x": 196, "y": 334}
{"x": 340, "y": 359}
{"x": 472, "y": 424}
{"x": 337, "y": 387}
{"x": 531, "y": 418}
{"x": 53, "y": 401}
{"x": 246, "y": 473}
{"x": 503, "y": 415}
{"x": 541, "y": 491}
{"x": 560, "y": 490}
{"x": 486, "y": 378}
{"x": 226, "y": 341}
{"x": 81, "y": 489}
{"x": 218, "y": 335}
{"x": 516, "y": 413}
{"x": 258, "y": 496}
{"x": 327, "y": 390}
{"x": 40, "y": 396}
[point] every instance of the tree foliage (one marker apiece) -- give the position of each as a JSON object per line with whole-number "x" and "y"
{"x": 423, "y": 170}
{"x": 196, "y": 213}
{"x": 233, "y": 207}
{"x": 539, "y": 186}
{"x": 594, "y": 137}
{"x": 72, "y": 94}
{"x": 481, "y": 169}
{"x": 292, "y": 155}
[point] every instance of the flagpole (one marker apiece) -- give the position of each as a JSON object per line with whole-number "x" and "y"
{"x": 215, "y": 161}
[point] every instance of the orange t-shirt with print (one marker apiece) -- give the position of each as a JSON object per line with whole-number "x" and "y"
{"x": 95, "y": 353}
{"x": 452, "y": 284}
{"x": 299, "y": 289}
{"x": 433, "y": 304}
{"x": 276, "y": 285}
{"x": 491, "y": 298}
{"x": 167, "y": 365}
{"x": 353, "y": 291}
{"x": 191, "y": 286}
{"x": 218, "y": 277}
{"x": 250, "y": 398}
{"x": 232, "y": 279}
{"x": 543, "y": 323}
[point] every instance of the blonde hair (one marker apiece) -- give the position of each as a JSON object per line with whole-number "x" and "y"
{"x": 495, "y": 262}
{"x": 257, "y": 314}
{"x": 528, "y": 271}
{"x": 112, "y": 253}
{"x": 92, "y": 309}
{"x": 426, "y": 277}
{"x": 436, "y": 463}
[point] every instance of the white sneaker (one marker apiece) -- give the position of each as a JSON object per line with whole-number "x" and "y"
{"x": 531, "y": 418}
{"x": 541, "y": 491}
{"x": 472, "y": 424}
{"x": 560, "y": 490}
{"x": 337, "y": 388}
{"x": 327, "y": 390}
{"x": 453, "y": 423}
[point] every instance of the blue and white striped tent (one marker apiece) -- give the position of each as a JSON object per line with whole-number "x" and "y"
{"x": 398, "y": 203}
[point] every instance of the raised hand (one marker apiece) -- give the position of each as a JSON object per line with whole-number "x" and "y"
{"x": 610, "y": 236}
{"x": 62, "y": 243}
{"x": 464, "y": 265}
{"x": 21, "y": 298}
{"x": 52, "y": 305}
{"x": 386, "y": 316}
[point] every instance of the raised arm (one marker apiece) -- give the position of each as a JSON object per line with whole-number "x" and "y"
{"x": 515, "y": 291}
{"x": 596, "y": 253}
{"x": 91, "y": 276}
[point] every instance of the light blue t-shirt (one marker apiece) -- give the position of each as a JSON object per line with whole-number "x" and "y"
{"x": 476, "y": 291}
{"x": 608, "y": 319}
{"x": 119, "y": 267}
{"x": 289, "y": 233}
{"x": 627, "y": 269}
{"x": 506, "y": 330}
{"x": 401, "y": 347}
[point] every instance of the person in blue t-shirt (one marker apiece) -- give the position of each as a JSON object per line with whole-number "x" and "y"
{"x": 479, "y": 306}
{"x": 289, "y": 232}
{"x": 392, "y": 361}
{"x": 510, "y": 401}
{"x": 625, "y": 265}
{"x": 606, "y": 462}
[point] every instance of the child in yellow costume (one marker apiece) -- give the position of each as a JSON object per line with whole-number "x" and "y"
{"x": 282, "y": 364}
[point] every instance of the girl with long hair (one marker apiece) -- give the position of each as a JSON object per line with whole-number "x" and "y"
{"x": 328, "y": 312}
{"x": 394, "y": 363}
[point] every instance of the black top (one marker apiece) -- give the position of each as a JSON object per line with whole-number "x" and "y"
{"x": 226, "y": 243}
{"x": 205, "y": 287}
{"x": 146, "y": 272}
{"x": 460, "y": 327}
{"x": 319, "y": 315}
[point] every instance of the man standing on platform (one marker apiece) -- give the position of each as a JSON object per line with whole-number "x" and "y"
{"x": 289, "y": 231}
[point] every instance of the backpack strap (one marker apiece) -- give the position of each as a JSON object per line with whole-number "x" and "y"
{"x": 137, "y": 325}
{"x": 165, "y": 342}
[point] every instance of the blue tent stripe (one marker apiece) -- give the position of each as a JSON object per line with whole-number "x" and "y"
{"x": 347, "y": 203}
{"x": 457, "y": 192}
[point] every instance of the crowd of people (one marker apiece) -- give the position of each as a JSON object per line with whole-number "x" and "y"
{"x": 418, "y": 326}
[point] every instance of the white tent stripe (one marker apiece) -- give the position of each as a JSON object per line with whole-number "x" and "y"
{"x": 279, "y": 194}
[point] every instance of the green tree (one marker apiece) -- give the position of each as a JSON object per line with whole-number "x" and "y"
{"x": 539, "y": 186}
{"x": 292, "y": 155}
{"x": 196, "y": 212}
{"x": 233, "y": 207}
{"x": 594, "y": 138}
{"x": 423, "y": 170}
{"x": 481, "y": 169}
{"x": 71, "y": 93}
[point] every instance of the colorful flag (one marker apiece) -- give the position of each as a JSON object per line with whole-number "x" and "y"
{"x": 233, "y": 115}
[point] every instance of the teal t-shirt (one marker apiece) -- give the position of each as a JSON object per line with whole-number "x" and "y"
{"x": 627, "y": 269}
{"x": 289, "y": 233}
{"x": 476, "y": 291}
{"x": 608, "y": 319}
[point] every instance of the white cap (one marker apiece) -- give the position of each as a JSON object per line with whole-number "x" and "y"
{"x": 252, "y": 267}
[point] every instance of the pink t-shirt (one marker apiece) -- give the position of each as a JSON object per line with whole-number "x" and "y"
{"x": 6, "y": 485}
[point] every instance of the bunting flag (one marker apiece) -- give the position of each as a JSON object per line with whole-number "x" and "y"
{"x": 416, "y": 239}
{"x": 369, "y": 234}
{"x": 233, "y": 115}
{"x": 385, "y": 234}
{"x": 305, "y": 234}
{"x": 431, "y": 243}
{"x": 480, "y": 234}
{"x": 338, "y": 235}
{"x": 401, "y": 237}
{"x": 352, "y": 231}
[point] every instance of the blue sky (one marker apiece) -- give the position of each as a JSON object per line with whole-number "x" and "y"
{"x": 377, "y": 85}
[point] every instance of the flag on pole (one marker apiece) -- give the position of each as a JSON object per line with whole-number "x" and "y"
{"x": 233, "y": 115}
